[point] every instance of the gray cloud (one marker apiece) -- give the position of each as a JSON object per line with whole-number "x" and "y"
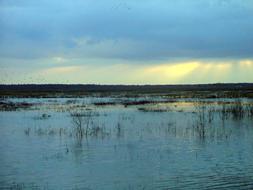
{"x": 138, "y": 30}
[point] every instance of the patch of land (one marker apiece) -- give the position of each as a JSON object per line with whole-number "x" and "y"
{"x": 228, "y": 90}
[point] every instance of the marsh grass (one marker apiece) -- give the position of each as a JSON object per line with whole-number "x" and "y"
{"x": 23, "y": 186}
{"x": 207, "y": 121}
{"x": 237, "y": 110}
{"x": 206, "y": 114}
{"x": 84, "y": 125}
{"x": 45, "y": 131}
{"x": 81, "y": 122}
{"x": 119, "y": 130}
{"x": 250, "y": 111}
{"x": 27, "y": 131}
{"x": 204, "y": 117}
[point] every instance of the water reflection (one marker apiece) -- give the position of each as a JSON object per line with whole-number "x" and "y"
{"x": 198, "y": 147}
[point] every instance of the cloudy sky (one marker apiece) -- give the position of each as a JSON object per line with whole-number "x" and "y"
{"x": 126, "y": 41}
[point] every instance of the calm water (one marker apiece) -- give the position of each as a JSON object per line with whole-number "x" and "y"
{"x": 133, "y": 149}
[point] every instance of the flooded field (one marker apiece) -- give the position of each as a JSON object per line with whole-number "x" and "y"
{"x": 147, "y": 142}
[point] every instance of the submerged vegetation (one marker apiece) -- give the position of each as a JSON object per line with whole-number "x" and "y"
{"x": 81, "y": 121}
{"x": 207, "y": 120}
{"x": 11, "y": 106}
{"x": 104, "y": 130}
{"x": 207, "y": 114}
{"x": 84, "y": 125}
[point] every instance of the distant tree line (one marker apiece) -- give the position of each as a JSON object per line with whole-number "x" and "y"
{"x": 126, "y": 88}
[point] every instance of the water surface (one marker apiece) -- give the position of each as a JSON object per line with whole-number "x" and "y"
{"x": 158, "y": 148}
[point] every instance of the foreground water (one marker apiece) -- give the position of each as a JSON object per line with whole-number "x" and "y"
{"x": 157, "y": 146}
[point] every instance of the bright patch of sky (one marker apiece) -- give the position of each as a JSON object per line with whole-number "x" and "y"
{"x": 126, "y": 41}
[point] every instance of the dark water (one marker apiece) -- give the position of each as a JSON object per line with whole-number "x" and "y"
{"x": 135, "y": 150}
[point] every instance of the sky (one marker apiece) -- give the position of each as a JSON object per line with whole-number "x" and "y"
{"x": 126, "y": 41}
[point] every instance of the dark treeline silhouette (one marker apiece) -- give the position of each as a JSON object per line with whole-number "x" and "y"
{"x": 91, "y": 88}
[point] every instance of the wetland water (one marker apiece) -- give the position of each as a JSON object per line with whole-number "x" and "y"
{"x": 179, "y": 144}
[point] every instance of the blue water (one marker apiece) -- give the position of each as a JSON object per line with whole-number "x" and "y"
{"x": 152, "y": 150}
